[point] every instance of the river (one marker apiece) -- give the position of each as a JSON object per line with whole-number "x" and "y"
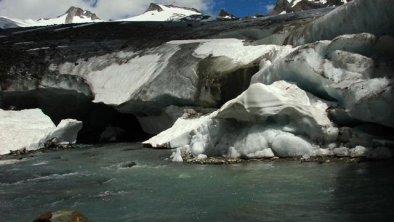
{"x": 102, "y": 182}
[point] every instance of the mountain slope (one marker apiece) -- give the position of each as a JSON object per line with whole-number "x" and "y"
{"x": 157, "y": 12}
{"x": 287, "y": 6}
{"x": 72, "y": 15}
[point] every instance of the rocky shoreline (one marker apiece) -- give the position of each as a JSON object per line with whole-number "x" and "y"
{"x": 355, "y": 155}
{"x": 341, "y": 156}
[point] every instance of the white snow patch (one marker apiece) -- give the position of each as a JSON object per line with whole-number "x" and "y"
{"x": 115, "y": 78}
{"x": 36, "y": 49}
{"x": 167, "y": 14}
{"x": 295, "y": 2}
{"x": 30, "y": 129}
{"x": 178, "y": 134}
{"x": 234, "y": 49}
{"x": 177, "y": 156}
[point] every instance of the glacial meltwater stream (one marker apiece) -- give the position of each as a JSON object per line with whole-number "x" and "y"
{"x": 102, "y": 182}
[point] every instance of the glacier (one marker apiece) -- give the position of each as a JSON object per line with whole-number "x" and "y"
{"x": 169, "y": 72}
{"x": 347, "y": 19}
{"x": 261, "y": 121}
{"x": 294, "y": 85}
{"x": 349, "y": 70}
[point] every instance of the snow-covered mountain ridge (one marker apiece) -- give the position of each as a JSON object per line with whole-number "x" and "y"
{"x": 159, "y": 12}
{"x": 162, "y": 13}
{"x": 72, "y": 15}
{"x": 155, "y": 12}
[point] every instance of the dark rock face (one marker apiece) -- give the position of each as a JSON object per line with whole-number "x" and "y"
{"x": 224, "y": 15}
{"x": 75, "y": 11}
{"x": 281, "y": 5}
{"x": 128, "y": 164}
{"x": 285, "y": 5}
{"x": 156, "y": 7}
{"x": 195, "y": 18}
{"x": 186, "y": 8}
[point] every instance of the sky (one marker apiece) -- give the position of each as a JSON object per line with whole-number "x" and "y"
{"x": 117, "y": 9}
{"x": 242, "y": 8}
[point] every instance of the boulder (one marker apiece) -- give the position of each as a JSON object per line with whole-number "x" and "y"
{"x": 68, "y": 216}
{"x": 358, "y": 151}
{"x": 341, "y": 152}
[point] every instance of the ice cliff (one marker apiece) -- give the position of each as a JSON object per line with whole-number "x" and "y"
{"x": 313, "y": 83}
{"x": 263, "y": 120}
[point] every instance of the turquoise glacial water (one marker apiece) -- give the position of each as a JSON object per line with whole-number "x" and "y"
{"x": 93, "y": 180}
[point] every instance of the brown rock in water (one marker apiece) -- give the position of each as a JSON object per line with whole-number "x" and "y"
{"x": 68, "y": 216}
{"x": 45, "y": 217}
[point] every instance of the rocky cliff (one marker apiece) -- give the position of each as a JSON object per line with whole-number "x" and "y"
{"x": 75, "y": 13}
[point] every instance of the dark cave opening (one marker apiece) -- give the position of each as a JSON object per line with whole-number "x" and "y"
{"x": 223, "y": 85}
{"x": 236, "y": 82}
{"x": 101, "y": 123}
